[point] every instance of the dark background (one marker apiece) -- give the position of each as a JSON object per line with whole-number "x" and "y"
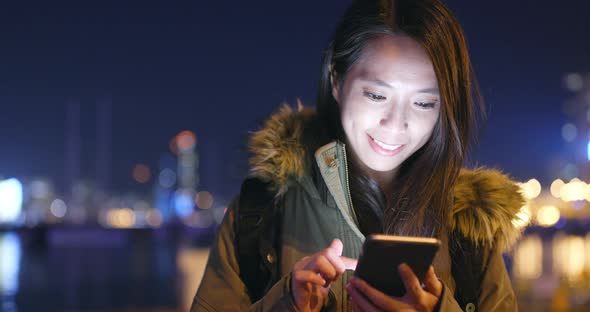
{"x": 218, "y": 68}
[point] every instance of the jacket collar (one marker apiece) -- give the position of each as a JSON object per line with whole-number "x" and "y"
{"x": 486, "y": 202}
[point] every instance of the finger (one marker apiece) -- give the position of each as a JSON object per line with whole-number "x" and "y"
{"x": 299, "y": 265}
{"x": 319, "y": 294}
{"x": 304, "y": 276}
{"x": 335, "y": 260}
{"x": 358, "y": 300}
{"x": 378, "y": 298}
{"x": 432, "y": 284}
{"x": 337, "y": 246}
{"x": 413, "y": 288}
{"x": 349, "y": 263}
{"x": 320, "y": 264}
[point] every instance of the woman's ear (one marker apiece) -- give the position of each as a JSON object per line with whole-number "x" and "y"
{"x": 334, "y": 84}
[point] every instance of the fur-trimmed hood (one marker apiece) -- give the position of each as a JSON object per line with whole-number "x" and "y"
{"x": 486, "y": 202}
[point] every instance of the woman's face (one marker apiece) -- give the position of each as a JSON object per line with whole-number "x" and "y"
{"x": 389, "y": 103}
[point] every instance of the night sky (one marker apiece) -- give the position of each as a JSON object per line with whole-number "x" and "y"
{"x": 218, "y": 68}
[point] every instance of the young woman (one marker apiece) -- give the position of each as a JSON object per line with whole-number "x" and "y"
{"x": 382, "y": 154}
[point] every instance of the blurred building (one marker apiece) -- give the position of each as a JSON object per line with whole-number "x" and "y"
{"x": 551, "y": 263}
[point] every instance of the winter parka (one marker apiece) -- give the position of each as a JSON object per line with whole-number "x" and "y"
{"x": 486, "y": 203}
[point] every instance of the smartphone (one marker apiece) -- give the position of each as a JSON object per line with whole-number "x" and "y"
{"x": 382, "y": 254}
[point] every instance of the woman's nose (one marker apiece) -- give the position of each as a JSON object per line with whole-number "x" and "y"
{"x": 394, "y": 119}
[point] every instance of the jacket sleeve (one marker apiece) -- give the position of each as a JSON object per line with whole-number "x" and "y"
{"x": 221, "y": 288}
{"x": 447, "y": 302}
{"x": 496, "y": 289}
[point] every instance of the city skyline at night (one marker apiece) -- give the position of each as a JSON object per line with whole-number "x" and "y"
{"x": 218, "y": 72}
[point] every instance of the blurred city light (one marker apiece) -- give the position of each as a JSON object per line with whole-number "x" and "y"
{"x": 569, "y": 132}
{"x": 186, "y": 140}
{"x": 39, "y": 189}
{"x": 530, "y": 189}
{"x": 523, "y": 217}
{"x": 58, "y": 208}
{"x": 153, "y": 218}
{"x": 141, "y": 173}
{"x": 183, "y": 203}
{"x": 574, "y": 82}
{"x": 574, "y": 190}
{"x": 11, "y": 200}
{"x": 528, "y": 258}
{"x": 204, "y": 200}
{"x": 10, "y": 256}
{"x": 199, "y": 219}
{"x": 556, "y": 188}
{"x": 548, "y": 215}
{"x": 121, "y": 218}
{"x": 167, "y": 178}
{"x": 568, "y": 256}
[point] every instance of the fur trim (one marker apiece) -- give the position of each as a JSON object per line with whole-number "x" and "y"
{"x": 277, "y": 152}
{"x": 486, "y": 201}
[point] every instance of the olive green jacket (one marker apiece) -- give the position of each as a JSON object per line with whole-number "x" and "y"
{"x": 485, "y": 204}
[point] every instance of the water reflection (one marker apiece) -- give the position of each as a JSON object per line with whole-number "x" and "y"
{"x": 85, "y": 269}
{"x": 10, "y": 255}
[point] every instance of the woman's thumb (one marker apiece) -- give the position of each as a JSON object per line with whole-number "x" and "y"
{"x": 431, "y": 283}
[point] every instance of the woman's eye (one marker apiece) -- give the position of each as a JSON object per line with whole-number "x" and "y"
{"x": 426, "y": 105}
{"x": 374, "y": 97}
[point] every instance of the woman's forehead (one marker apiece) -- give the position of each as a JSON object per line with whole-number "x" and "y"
{"x": 392, "y": 59}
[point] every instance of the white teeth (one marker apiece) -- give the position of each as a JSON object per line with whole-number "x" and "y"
{"x": 386, "y": 146}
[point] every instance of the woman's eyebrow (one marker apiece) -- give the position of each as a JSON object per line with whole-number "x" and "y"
{"x": 432, "y": 90}
{"x": 377, "y": 81}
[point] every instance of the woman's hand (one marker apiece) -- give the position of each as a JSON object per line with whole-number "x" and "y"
{"x": 366, "y": 298}
{"x": 311, "y": 276}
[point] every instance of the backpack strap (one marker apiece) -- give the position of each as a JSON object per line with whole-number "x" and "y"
{"x": 257, "y": 231}
{"x": 468, "y": 269}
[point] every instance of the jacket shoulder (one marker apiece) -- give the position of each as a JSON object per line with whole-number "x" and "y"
{"x": 486, "y": 206}
{"x": 278, "y": 149}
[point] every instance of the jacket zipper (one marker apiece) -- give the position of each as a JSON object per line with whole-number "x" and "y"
{"x": 353, "y": 211}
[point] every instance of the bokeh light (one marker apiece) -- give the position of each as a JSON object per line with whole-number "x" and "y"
{"x": 548, "y": 215}
{"x": 58, "y": 208}
{"x": 530, "y": 189}
{"x": 204, "y": 200}
{"x": 186, "y": 140}
{"x": 568, "y": 256}
{"x": 183, "y": 203}
{"x": 141, "y": 173}
{"x": 153, "y": 218}
{"x": 574, "y": 190}
{"x": 528, "y": 258}
{"x": 574, "y": 82}
{"x": 167, "y": 178}
{"x": 523, "y": 217}
{"x": 556, "y": 188}
{"x": 569, "y": 132}
{"x": 121, "y": 218}
{"x": 11, "y": 200}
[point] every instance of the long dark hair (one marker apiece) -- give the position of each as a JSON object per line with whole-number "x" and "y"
{"x": 423, "y": 187}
